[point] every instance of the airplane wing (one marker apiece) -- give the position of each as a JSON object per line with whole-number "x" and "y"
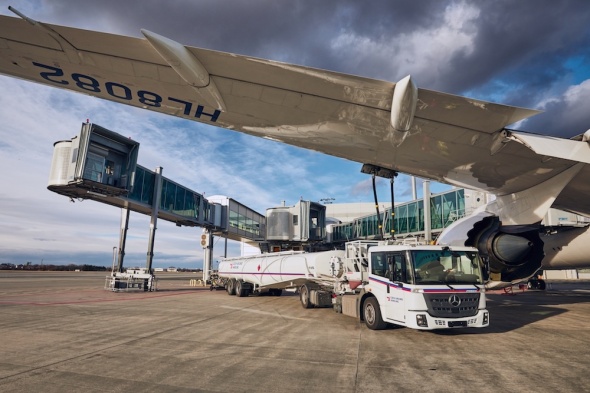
{"x": 452, "y": 139}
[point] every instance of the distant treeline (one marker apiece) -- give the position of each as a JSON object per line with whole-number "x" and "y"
{"x": 49, "y": 267}
{"x": 71, "y": 268}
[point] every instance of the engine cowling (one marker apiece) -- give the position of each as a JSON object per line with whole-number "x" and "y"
{"x": 512, "y": 252}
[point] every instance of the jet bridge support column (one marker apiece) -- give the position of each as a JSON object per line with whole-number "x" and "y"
{"x": 123, "y": 237}
{"x": 154, "y": 219}
{"x": 207, "y": 243}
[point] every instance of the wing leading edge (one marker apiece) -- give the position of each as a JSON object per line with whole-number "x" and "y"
{"x": 452, "y": 139}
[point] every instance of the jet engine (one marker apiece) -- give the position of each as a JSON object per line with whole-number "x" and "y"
{"x": 512, "y": 252}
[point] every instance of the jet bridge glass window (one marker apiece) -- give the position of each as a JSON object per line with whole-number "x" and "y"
{"x": 461, "y": 202}
{"x": 143, "y": 187}
{"x": 243, "y": 220}
{"x": 197, "y": 204}
{"x": 453, "y": 206}
{"x": 342, "y": 232}
{"x": 94, "y": 167}
{"x": 179, "y": 200}
{"x": 413, "y": 217}
{"x": 167, "y": 196}
{"x": 189, "y": 204}
{"x": 403, "y": 219}
{"x": 233, "y": 219}
{"x": 147, "y": 194}
{"x": 436, "y": 212}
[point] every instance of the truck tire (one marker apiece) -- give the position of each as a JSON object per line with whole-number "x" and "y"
{"x": 231, "y": 287}
{"x": 241, "y": 289}
{"x": 372, "y": 314}
{"x": 304, "y": 296}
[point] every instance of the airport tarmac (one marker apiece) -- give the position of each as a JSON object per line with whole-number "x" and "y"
{"x": 62, "y": 332}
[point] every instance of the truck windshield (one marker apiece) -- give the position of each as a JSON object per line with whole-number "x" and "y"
{"x": 446, "y": 267}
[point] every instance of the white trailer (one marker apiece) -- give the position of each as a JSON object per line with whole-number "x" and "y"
{"x": 421, "y": 287}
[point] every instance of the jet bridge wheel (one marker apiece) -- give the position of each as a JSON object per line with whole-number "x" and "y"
{"x": 304, "y": 296}
{"x": 372, "y": 314}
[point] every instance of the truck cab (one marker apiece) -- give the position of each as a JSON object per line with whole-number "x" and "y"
{"x": 423, "y": 287}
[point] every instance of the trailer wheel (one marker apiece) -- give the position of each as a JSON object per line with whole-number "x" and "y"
{"x": 304, "y": 296}
{"x": 231, "y": 287}
{"x": 372, "y": 314}
{"x": 241, "y": 289}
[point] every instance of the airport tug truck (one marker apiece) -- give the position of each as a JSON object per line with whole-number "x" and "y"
{"x": 380, "y": 283}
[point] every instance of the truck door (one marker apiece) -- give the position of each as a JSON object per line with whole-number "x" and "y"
{"x": 390, "y": 275}
{"x": 396, "y": 309}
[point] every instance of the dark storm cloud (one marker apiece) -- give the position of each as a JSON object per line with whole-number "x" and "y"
{"x": 509, "y": 33}
{"x": 526, "y": 38}
{"x": 291, "y": 31}
{"x": 567, "y": 116}
{"x": 507, "y": 51}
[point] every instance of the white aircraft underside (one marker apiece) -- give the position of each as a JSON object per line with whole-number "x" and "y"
{"x": 447, "y": 138}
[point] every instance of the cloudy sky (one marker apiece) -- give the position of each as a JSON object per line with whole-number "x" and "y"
{"x": 529, "y": 53}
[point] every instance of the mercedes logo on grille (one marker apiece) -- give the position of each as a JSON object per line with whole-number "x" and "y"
{"x": 454, "y": 300}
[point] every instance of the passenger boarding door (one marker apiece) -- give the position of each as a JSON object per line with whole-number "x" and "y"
{"x": 398, "y": 288}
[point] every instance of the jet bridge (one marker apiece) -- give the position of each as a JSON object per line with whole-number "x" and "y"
{"x": 101, "y": 165}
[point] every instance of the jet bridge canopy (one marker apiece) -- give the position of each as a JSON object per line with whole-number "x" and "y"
{"x": 97, "y": 160}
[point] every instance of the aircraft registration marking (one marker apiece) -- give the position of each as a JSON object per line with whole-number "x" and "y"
{"x": 119, "y": 91}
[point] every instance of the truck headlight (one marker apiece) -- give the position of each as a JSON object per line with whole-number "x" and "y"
{"x": 486, "y": 318}
{"x": 421, "y": 320}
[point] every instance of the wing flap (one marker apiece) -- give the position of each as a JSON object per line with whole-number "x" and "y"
{"x": 550, "y": 147}
{"x": 467, "y": 112}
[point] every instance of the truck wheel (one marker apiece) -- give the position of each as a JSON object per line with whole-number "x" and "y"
{"x": 241, "y": 289}
{"x": 304, "y": 296}
{"x": 372, "y": 314}
{"x": 231, "y": 287}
